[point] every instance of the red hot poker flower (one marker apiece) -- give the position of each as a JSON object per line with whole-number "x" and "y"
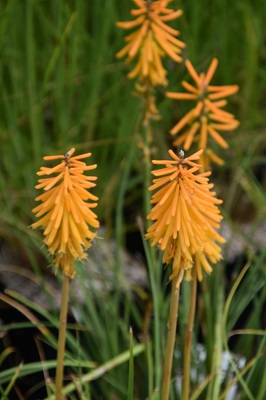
{"x": 185, "y": 215}
{"x": 65, "y": 211}
{"x": 207, "y": 117}
{"x": 152, "y": 40}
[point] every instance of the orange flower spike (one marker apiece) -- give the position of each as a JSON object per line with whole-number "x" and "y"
{"x": 66, "y": 213}
{"x": 193, "y": 73}
{"x": 223, "y": 92}
{"x": 207, "y": 111}
{"x": 211, "y": 71}
{"x": 152, "y": 40}
{"x": 187, "y": 119}
{"x": 185, "y": 215}
{"x": 189, "y": 136}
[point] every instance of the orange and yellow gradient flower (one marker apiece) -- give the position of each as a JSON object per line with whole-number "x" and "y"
{"x": 65, "y": 211}
{"x": 207, "y": 118}
{"x": 185, "y": 216}
{"x": 152, "y": 40}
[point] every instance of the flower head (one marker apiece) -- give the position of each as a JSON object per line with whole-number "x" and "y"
{"x": 152, "y": 40}
{"x": 208, "y": 116}
{"x": 185, "y": 215}
{"x": 65, "y": 212}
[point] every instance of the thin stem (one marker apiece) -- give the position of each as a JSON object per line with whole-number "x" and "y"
{"x": 62, "y": 338}
{"x": 215, "y": 384}
{"x": 147, "y": 165}
{"x": 154, "y": 275}
{"x": 101, "y": 370}
{"x": 188, "y": 342}
{"x": 156, "y": 306}
{"x": 173, "y": 313}
{"x": 147, "y": 142}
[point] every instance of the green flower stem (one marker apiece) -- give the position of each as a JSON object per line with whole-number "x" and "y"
{"x": 173, "y": 313}
{"x": 101, "y": 370}
{"x": 188, "y": 342}
{"x": 62, "y": 338}
{"x": 147, "y": 165}
{"x": 152, "y": 262}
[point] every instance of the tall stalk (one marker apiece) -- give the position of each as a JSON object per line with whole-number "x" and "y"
{"x": 62, "y": 338}
{"x": 188, "y": 340}
{"x": 147, "y": 164}
{"x": 153, "y": 273}
{"x": 168, "y": 360}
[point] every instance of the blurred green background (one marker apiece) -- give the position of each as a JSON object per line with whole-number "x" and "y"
{"x": 61, "y": 86}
